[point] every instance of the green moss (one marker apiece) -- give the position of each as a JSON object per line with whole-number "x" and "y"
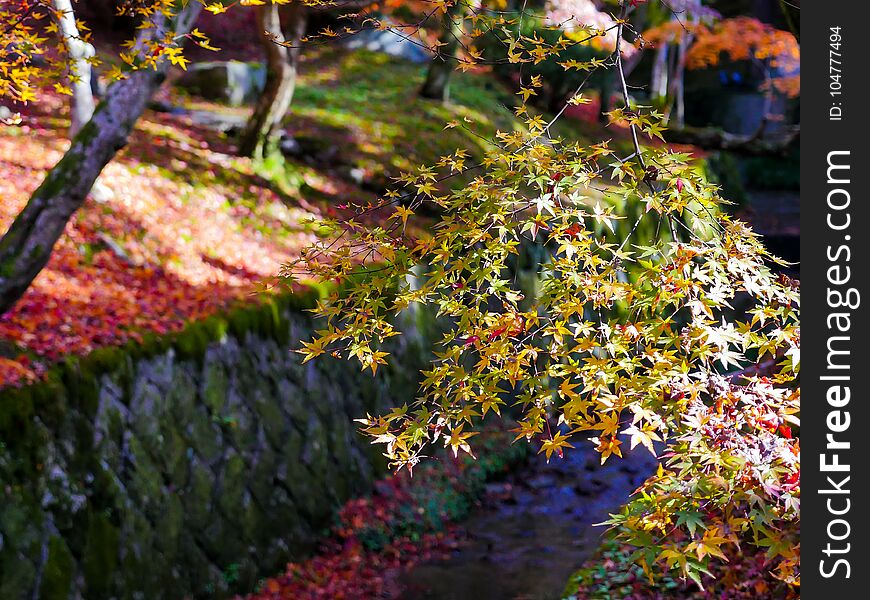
{"x": 145, "y": 483}
{"x": 204, "y": 435}
{"x": 170, "y": 527}
{"x": 197, "y": 499}
{"x": 57, "y": 572}
{"x": 271, "y": 419}
{"x": 171, "y": 452}
{"x": 145, "y": 504}
{"x": 214, "y": 389}
{"x": 242, "y": 321}
{"x": 100, "y": 555}
{"x": 275, "y": 319}
{"x": 232, "y": 486}
{"x": 80, "y": 378}
{"x": 50, "y": 393}
{"x": 393, "y": 128}
{"x": 191, "y": 343}
{"x": 151, "y": 345}
{"x": 137, "y": 567}
{"x": 105, "y": 360}
{"x": 18, "y": 574}
{"x": 8, "y": 268}
{"x": 216, "y": 328}
{"x": 16, "y": 408}
{"x": 20, "y": 524}
{"x": 722, "y": 168}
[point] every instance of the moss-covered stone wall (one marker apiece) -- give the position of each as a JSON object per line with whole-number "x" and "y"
{"x": 186, "y": 466}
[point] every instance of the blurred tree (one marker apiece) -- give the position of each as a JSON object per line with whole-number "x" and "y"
{"x": 667, "y": 81}
{"x": 80, "y": 52}
{"x": 26, "y": 247}
{"x": 437, "y": 84}
{"x": 262, "y": 132}
{"x": 774, "y": 54}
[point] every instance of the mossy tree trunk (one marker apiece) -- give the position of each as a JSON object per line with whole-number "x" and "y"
{"x": 27, "y": 245}
{"x": 79, "y": 51}
{"x": 437, "y": 84}
{"x": 262, "y": 133}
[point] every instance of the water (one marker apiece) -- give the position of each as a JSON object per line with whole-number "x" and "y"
{"x": 533, "y": 530}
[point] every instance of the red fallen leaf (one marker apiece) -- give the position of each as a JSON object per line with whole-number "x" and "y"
{"x": 785, "y": 430}
{"x": 471, "y": 340}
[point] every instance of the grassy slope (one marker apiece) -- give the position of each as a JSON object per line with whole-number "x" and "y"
{"x": 368, "y": 102}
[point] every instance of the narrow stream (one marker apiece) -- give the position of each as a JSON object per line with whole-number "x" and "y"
{"x": 533, "y": 530}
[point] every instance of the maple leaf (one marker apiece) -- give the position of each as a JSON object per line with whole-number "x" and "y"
{"x": 458, "y": 440}
{"x": 526, "y": 93}
{"x": 556, "y": 443}
{"x": 404, "y": 213}
{"x": 642, "y": 436}
{"x": 607, "y": 446}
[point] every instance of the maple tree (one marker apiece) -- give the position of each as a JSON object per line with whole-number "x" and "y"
{"x": 775, "y": 51}
{"x": 591, "y": 33}
{"x": 144, "y": 260}
{"x": 637, "y": 333}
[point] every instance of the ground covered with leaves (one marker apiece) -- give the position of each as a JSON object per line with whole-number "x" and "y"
{"x": 407, "y": 520}
{"x": 181, "y": 227}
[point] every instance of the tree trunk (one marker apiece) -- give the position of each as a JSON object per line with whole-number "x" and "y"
{"x": 677, "y": 85}
{"x": 27, "y": 245}
{"x": 675, "y": 108}
{"x": 79, "y": 51}
{"x": 262, "y": 132}
{"x": 605, "y": 93}
{"x": 678, "y": 117}
{"x": 437, "y": 84}
{"x": 659, "y": 80}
